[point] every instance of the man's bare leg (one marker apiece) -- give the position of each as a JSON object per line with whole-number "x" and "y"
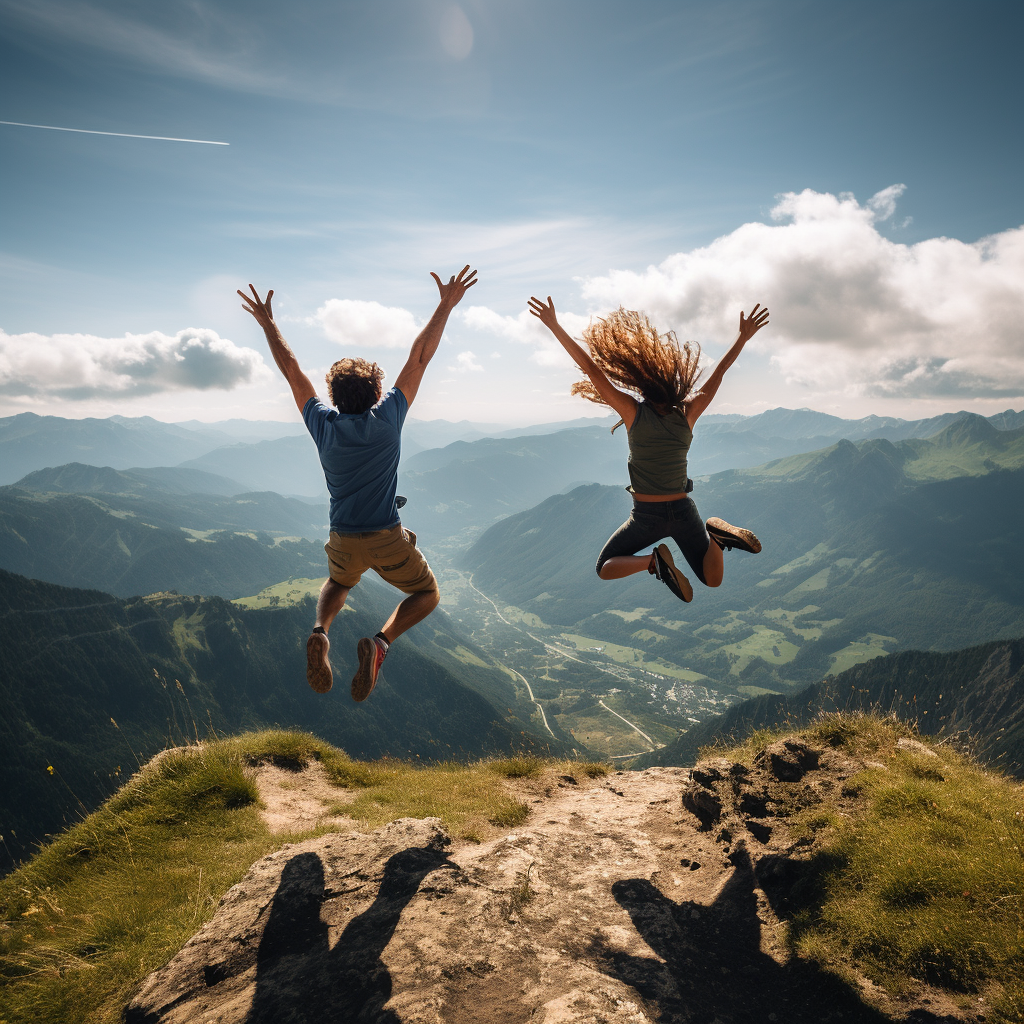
{"x": 415, "y": 608}
{"x": 318, "y": 665}
{"x": 329, "y": 603}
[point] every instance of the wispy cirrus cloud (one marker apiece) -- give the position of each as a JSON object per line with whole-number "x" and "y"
{"x": 371, "y": 56}
{"x": 82, "y": 366}
{"x": 209, "y": 47}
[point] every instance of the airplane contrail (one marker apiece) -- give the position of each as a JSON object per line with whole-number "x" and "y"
{"x": 123, "y": 135}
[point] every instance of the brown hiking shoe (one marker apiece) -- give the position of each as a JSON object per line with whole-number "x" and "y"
{"x": 730, "y": 537}
{"x": 318, "y": 668}
{"x": 371, "y": 656}
{"x": 667, "y": 572}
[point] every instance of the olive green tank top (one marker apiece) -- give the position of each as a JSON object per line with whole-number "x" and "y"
{"x": 657, "y": 451}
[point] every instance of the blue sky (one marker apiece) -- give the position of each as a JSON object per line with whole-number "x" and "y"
{"x": 603, "y": 153}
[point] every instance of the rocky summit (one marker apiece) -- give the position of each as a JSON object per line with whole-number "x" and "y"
{"x": 654, "y": 896}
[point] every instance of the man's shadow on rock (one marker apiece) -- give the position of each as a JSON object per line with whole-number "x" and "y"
{"x": 713, "y": 965}
{"x": 300, "y": 979}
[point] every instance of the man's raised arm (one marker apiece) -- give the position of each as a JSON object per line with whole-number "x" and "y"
{"x": 302, "y": 387}
{"x": 425, "y": 345}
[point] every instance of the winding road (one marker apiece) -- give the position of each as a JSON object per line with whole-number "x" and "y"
{"x": 562, "y": 652}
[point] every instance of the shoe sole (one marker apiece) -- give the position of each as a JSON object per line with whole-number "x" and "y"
{"x": 733, "y": 536}
{"x": 363, "y": 681}
{"x": 681, "y": 581}
{"x": 318, "y": 667}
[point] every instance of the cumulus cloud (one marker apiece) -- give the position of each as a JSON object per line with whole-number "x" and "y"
{"x": 851, "y": 311}
{"x": 79, "y": 366}
{"x": 358, "y": 324}
{"x": 526, "y": 329}
{"x": 466, "y": 362}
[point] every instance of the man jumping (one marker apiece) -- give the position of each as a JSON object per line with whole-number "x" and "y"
{"x": 359, "y": 446}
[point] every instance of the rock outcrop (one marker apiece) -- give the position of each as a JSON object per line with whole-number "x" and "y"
{"x": 655, "y": 896}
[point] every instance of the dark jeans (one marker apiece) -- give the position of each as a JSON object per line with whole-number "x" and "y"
{"x": 651, "y": 521}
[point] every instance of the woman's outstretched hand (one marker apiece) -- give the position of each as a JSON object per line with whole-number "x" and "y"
{"x": 457, "y": 286}
{"x": 259, "y": 308}
{"x": 750, "y": 325}
{"x": 545, "y": 313}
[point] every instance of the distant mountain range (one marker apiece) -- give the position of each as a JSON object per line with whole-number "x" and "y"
{"x": 976, "y": 694}
{"x": 868, "y": 548}
{"x": 265, "y": 455}
{"x": 90, "y": 683}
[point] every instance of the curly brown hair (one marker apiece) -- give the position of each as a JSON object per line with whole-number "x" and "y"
{"x": 629, "y": 349}
{"x": 354, "y": 385}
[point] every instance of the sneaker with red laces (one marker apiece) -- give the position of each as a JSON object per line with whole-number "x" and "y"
{"x": 318, "y": 667}
{"x": 371, "y": 656}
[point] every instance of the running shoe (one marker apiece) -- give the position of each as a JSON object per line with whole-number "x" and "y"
{"x": 730, "y": 537}
{"x": 371, "y": 656}
{"x": 318, "y": 667}
{"x": 670, "y": 575}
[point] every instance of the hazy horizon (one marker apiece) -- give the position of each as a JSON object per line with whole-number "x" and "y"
{"x": 598, "y": 416}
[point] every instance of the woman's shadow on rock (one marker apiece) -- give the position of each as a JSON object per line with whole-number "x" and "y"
{"x": 713, "y": 967}
{"x": 299, "y": 978}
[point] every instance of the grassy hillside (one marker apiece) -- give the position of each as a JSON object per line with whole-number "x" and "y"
{"x": 121, "y": 891}
{"x": 91, "y": 686}
{"x": 196, "y": 544}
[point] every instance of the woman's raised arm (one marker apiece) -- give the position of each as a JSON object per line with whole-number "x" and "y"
{"x": 619, "y": 401}
{"x": 749, "y": 326}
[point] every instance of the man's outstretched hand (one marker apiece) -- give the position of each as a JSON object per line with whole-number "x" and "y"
{"x": 258, "y": 307}
{"x": 544, "y": 312}
{"x": 750, "y": 325}
{"x": 452, "y": 292}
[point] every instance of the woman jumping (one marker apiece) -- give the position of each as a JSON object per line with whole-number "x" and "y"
{"x": 626, "y": 349}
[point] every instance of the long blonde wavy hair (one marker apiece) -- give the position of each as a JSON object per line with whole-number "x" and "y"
{"x": 635, "y": 357}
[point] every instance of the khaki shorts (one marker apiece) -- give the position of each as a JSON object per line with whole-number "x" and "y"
{"x": 392, "y": 554}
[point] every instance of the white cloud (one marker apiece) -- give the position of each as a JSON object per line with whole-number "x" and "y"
{"x": 852, "y": 312}
{"x": 358, "y": 324}
{"x": 82, "y": 366}
{"x": 883, "y": 204}
{"x": 526, "y": 329}
{"x": 466, "y": 362}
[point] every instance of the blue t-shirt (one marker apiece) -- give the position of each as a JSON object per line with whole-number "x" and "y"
{"x": 359, "y": 453}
